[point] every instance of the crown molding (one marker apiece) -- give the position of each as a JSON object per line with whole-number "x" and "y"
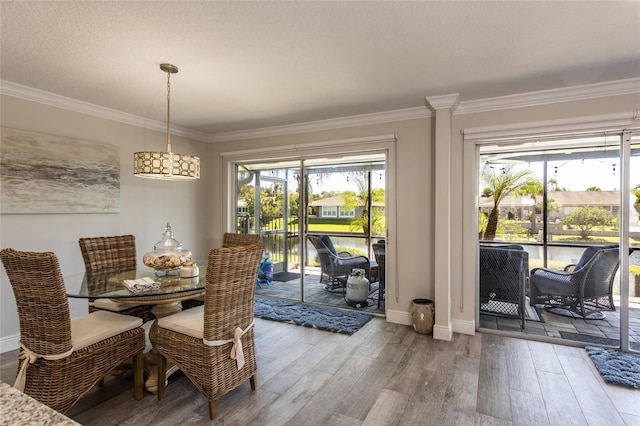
{"x": 551, "y": 96}
{"x": 40, "y": 96}
{"x": 333, "y": 123}
{"x": 589, "y": 91}
{"x": 614, "y": 121}
{"x": 450, "y": 101}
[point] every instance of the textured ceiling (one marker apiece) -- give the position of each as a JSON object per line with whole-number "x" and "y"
{"x": 248, "y": 65}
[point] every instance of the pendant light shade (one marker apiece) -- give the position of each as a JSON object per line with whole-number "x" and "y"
{"x": 166, "y": 165}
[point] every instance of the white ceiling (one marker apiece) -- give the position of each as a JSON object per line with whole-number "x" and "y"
{"x": 250, "y": 65}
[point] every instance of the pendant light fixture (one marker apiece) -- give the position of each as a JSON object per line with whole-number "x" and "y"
{"x": 166, "y": 165}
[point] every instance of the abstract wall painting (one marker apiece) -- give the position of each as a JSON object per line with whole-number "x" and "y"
{"x": 41, "y": 173}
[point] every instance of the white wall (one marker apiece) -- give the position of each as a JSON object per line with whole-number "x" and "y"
{"x": 145, "y": 204}
{"x": 415, "y": 196}
{"x": 196, "y": 210}
{"x": 414, "y": 180}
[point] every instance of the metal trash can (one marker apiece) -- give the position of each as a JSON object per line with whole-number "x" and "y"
{"x": 423, "y": 315}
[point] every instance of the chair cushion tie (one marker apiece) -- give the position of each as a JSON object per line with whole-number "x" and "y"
{"x": 29, "y": 358}
{"x": 236, "y": 349}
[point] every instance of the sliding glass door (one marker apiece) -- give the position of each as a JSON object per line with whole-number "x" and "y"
{"x": 345, "y": 205}
{"x": 558, "y": 199}
{"x": 340, "y": 199}
{"x": 267, "y": 200}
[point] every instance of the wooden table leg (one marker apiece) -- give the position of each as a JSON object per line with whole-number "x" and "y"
{"x": 151, "y": 357}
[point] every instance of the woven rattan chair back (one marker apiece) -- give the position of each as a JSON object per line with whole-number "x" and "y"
{"x": 230, "y": 288}
{"x": 234, "y": 240}
{"x": 228, "y": 240}
{"x": 117, "y": 253}
{"x": 43, "y": 309}
{"x": 104, "y": 256}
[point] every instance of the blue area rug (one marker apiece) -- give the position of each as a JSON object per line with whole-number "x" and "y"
{"x": 336, "y": 320}
{"x": 619, "y": 368}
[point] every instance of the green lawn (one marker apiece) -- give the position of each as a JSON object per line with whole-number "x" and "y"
{"x": 329, "y": 227}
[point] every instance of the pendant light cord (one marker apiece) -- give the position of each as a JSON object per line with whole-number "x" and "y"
{"x": 168, "y": 111}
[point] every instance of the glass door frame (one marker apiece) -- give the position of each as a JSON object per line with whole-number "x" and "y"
{"x": 624, "y": 230}
{"x": 377, "y": 144}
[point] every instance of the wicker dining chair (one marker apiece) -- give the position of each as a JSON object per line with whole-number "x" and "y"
{"x": 62, "y": 359}
{"x": 234, "y": 240}
{"x": 111, "y": 255}
{"x": 214, "y": 344}
{"x": 228, "y": 240}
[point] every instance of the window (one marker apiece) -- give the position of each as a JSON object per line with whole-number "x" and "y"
{"x": 329, "y": 211}
{"x": 344, "y": 212}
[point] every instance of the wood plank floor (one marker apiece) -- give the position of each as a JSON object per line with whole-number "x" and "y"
{"x": 384, "y": 374}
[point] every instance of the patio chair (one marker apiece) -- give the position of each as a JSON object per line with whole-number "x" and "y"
{"x": 214, "y": 344}
{"x": 379, "y": 251}
{"x": 582, "y": 290}
{"x": 336, "y": 267}
{"x": 62, "y": 359}
{"x": 503, "y": 276}
{"x": 108, "y": 255}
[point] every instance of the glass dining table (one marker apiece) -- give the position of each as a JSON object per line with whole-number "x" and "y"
{"x": 165, "y": 298}
{"x": 110, "y": 285}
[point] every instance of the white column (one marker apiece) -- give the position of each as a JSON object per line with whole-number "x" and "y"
{"x": 444, "y": 106}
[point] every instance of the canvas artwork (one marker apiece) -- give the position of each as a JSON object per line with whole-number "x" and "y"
{"x": 41, "y": 173}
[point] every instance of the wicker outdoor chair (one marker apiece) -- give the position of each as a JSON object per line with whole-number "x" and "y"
{"x": 335, "y": 267}
{"x": 503, "y": 276}
{"x": 214, "y": 344}
{"x": 379, "y": 251}
{"x": 62, "y": 359}
{"x": 583, "y": 290}
{"x": 108, "y": 255}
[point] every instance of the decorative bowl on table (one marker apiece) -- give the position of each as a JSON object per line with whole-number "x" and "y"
{"x": 168, "y": 255}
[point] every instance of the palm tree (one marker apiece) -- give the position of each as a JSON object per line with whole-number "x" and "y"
{"x": 534, "y": 190}
{"x": 353, "y": 200}
{"x": 501, "y": 183}
{"x": 636, "y": 191}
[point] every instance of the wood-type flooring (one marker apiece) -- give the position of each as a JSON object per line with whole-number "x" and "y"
{"x": 384, "y": 374}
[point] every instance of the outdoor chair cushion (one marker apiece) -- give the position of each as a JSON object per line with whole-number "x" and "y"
{"x": 588, "y": 253}
{"x": 327, "y": 242}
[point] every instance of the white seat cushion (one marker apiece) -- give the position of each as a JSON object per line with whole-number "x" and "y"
{"x": 89, "y": 329}
{"x": 110, "y": 305}
{"x": 189, "y": 322}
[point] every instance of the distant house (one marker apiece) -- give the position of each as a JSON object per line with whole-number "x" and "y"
{"x": 335, "y": 207}
{"x": 521, "y": 207}
{"x": 243, "y": 209}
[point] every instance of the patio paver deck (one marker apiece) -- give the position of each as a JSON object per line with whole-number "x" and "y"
{"x": 553, "y": 325}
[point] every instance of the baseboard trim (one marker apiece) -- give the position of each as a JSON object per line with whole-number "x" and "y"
{"x": 464, "y": 327}
{"x": 9, "y": 343}
{"x": 439, "y": 331}
{"x": 399, "y": 317}
{"x": 442, "y": 332}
